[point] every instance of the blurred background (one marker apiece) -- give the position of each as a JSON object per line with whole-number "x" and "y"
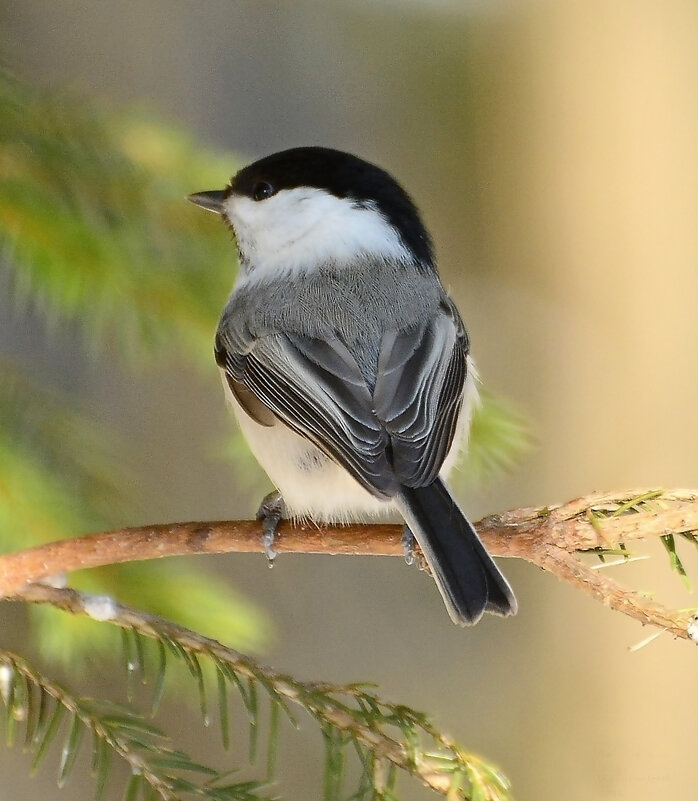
{"x": 552, "y": 149}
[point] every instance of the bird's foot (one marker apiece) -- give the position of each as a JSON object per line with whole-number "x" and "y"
{"x": 270, "y": 512}
{"x": 413, "y": 553}
{"x": 408, "y": 543}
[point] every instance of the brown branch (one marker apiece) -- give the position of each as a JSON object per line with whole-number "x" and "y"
{"x": 612, "y": 594}
{"x": 550, "y": 537}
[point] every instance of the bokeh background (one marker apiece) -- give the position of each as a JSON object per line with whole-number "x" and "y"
{"x": 552, "y": 149}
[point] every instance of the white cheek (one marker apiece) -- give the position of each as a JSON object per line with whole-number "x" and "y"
{"x": 298, "y": 229}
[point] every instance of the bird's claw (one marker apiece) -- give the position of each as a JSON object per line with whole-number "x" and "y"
{"x": 270, "y": 512}
{"x": 408, "y": 543}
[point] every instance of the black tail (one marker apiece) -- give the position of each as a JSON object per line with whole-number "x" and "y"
{"x": 468, "y": 580}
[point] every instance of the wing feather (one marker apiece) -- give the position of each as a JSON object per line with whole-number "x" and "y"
{"x": 315, "y": 387}
{"x": 419, "y": 393}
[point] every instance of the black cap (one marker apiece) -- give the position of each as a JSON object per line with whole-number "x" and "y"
{"x": 340, "y": 174}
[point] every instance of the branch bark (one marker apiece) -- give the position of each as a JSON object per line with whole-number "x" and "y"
{"x": 550, "y": 537}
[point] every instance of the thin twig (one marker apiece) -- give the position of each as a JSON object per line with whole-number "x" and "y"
{"x": 550, "y": 537}
{"x": 135, "y": 759}
{"x": 612, "y": 594}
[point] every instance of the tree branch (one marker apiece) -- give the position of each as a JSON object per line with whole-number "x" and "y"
{"x": 328, "y": 703}
{"x": 550, "y": 537}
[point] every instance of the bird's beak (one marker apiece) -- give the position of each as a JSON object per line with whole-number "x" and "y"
{"x": 212, "y": 201}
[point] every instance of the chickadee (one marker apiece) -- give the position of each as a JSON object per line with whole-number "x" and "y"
{"x": 346, "y": 362}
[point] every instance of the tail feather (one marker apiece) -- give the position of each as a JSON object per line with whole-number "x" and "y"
{"x": 468, "y": 580}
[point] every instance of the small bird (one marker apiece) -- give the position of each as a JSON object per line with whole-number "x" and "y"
{"x": 347, "y": 364}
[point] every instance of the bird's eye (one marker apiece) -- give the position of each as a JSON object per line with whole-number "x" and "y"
{"x": 262, "y": 190}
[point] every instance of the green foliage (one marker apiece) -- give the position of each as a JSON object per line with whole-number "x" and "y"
{"x": 368, "y": 742}
{"x": 60, "y": 477}
{"x": 669, "y": 543}
{"x": 499, "y": 438}
{"x": 95, "y": 229}
{"x": 59, "y": 472}
{"x": 48, "y": 712}
{"x": 94, "y": 225}
{"x": 650, "y": 502}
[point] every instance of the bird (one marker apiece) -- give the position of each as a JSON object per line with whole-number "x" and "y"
{"x": 346, "y": 362}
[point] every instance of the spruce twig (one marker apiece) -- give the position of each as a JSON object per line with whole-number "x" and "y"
{"x": 42, "y": 705}
{"x": 381, "y": 732}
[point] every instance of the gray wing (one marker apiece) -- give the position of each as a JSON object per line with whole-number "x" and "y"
{"x": 315, "y": 387}
{"x": 399, "y": 435}
{"x": 419, "y": 393}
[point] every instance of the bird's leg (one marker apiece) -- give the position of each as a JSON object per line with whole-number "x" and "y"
{"x": 408, "y": 543}
{"x": 413, "y": 553}
{"x": 270, "y": 512}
